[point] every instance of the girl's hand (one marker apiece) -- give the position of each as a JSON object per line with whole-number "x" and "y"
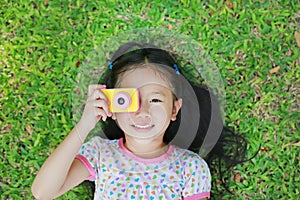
{"x": 96, "y": 107}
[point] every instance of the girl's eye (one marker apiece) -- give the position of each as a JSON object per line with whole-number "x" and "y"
{"x": 155, "y": 100}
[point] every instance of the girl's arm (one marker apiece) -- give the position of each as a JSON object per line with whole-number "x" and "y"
{"x": 58, "y": 173}
{"x": 61, "y": 171}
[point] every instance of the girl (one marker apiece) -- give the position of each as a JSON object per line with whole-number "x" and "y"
{"x": 138, "y": 160}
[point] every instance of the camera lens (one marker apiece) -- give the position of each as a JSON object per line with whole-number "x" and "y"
{"x": 121, "y": 101}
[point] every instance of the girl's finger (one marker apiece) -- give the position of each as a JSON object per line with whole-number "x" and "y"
{"x": 94, "y": 87}
{"x": 101, "y": 114}
{"x": 102, "y": 104}
{"x": 96, "y": 95}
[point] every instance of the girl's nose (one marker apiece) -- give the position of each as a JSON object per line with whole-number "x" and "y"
{"x": 143, "y": 110}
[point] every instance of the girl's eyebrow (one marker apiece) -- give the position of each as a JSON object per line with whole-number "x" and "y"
{"x": 160, "y": 93}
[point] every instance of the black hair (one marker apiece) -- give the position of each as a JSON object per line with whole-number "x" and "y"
{"x": 230, "y": 148}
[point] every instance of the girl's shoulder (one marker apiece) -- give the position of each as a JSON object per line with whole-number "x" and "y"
{"x": 193, "y": 168}
{"x": 188, "y": 157}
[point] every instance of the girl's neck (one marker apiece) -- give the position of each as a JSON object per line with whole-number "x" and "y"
{"x": 145, "y": 149}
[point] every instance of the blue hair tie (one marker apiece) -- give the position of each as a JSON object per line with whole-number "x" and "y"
{"x": 110, "y": 65}
{"x": 176, "y": 69}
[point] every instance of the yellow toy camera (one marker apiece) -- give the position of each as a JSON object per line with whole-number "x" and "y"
{"x": 122, "y": 99}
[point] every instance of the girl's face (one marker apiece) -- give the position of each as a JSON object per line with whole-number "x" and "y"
{"x": 157, "y": 105}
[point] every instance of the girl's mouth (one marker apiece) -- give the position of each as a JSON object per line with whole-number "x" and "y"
{"x": 137, "y": 126}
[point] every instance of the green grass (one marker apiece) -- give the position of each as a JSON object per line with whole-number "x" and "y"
{"x": 42, "y": 43}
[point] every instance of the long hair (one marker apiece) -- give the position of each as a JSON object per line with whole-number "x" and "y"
{"x": 230, "y": 148}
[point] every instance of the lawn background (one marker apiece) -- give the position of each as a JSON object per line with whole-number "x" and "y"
{"x": 254, "y": 44}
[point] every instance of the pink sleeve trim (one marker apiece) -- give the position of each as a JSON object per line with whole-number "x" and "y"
{"x": 198, "y": 196}
{"x": 88, "y": 166}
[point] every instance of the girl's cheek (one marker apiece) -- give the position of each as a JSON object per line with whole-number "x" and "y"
{"x": 158, "y": 111}
{"x": 122, "y": 116}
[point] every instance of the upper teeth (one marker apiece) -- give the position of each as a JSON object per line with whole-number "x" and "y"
{"x": 139, "y": 126}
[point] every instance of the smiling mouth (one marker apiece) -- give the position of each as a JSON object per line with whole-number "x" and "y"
{"x": 142, "y": 126}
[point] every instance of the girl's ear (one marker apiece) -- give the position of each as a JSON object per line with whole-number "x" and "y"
{"x": 176, "y": 107}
